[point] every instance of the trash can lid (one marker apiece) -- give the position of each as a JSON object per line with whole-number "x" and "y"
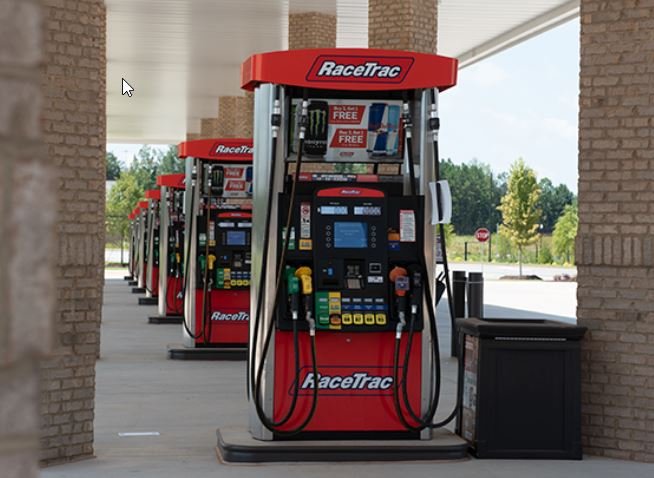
{"x": 536, "y": 328}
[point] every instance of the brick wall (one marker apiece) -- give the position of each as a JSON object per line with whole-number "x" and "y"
{"x": 615, "y": 245}
{"x": 73, "y": 82}
{"x": 208, "y": 128}
{"x": 27, "y": 228}
{"x": 403, "y": 25}
{"x": 311, "y": 30}
{"x": 234, "y": 118}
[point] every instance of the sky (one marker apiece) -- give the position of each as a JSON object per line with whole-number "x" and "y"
{"x": 522, "y": 102}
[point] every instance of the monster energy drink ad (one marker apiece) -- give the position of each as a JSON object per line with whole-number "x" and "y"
{"x": 350, "y": 130}
{"x": 315, "y": 142}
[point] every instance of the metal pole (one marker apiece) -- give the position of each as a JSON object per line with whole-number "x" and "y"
{"x": 490, "y": 246}
{"x": 459, "y": 280}
{"x": 476, "y": 295}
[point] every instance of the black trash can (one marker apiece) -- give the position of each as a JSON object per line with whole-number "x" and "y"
{"x": 520, "y": 388}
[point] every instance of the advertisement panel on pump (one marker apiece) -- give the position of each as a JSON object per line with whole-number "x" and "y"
{"x": 351, "y": 130}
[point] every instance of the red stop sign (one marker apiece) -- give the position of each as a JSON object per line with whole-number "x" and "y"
{"x": 482, "y": 234}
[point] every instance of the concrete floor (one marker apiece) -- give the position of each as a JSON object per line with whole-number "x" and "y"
{"x": 139, "y": 390}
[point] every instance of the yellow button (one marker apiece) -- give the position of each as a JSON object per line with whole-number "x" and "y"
{"x": 358, "y": 319}
{"x": 246, "y": 283}
{"x": 239, "y": 282}
{"x": 370, "y": 319}
{"x": 347, "y": 319}
{"x": 380, "y": 319}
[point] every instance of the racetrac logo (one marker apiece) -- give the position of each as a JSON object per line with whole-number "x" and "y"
{"x": 235, "y": 150}
{"x": 354, "y": 382}
{"x": 351, "y": 192}
{"x": 237, "y": 317}
{"x": 360, "y": 69}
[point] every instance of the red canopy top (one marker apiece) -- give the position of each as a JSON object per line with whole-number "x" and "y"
{"x": 153, "y": 194}
{"x": 359, "y": 69}
{"x": 130, "y": 216}
{"x": 233, "y": 149}
{"x": 172, "y": 180}
{"x": 143, "y": 204}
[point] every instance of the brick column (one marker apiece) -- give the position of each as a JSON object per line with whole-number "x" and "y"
{"x": 615, "y": 245}
{"x": 311, "y": 30}
{"x": 27, "y": 228}
{"x": 403, "y": 25}
{"x": 208, "y": 128}
{"x": 73, "y": 82}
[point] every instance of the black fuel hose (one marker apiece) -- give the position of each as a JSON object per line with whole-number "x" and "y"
{"x": 274, "y": 426}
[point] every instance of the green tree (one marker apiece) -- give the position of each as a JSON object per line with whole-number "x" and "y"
{"x": 170, "y": 162}
{"x": 552, "y": 201}
{"x": 519, "y": 207}
{"x": 565, "y": 232}
{"x": 122, "y": 199}
{"x": 476, "y": 192}
{"x": 145, "y": 167}
{"x": 113, "y": 166}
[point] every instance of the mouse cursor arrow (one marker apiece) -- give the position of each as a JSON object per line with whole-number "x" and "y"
{"x": 127, "y": 88}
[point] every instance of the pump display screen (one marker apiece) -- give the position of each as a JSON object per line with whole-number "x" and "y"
{"x": 235, "y": 238}
{"x": 333, "y": 210}
{"x": 350, "y": 235}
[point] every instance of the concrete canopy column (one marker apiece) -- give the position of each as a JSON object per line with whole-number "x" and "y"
{"x": 403, "y": 25}
{"x": 615, "y": 244}
{"x": 74, "y": 122}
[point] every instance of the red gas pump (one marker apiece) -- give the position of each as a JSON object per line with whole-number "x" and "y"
{"x": 343, "y": 342}
{"x": 131, "y": 252}
{"x": 218, "y": 204}
{"x": 141, "y": 262}
{"x": 153, "y": 197}
{"x": 171, "y": 250}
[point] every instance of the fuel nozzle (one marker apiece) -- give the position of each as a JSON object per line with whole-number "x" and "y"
{"x": 304, "y": 274}
{"x": 399, "y": 277}
{"x": 416, "y": 283}
{"x": 293, "y": 290}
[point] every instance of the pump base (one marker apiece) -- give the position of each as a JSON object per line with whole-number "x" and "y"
{"x": 214, "y": 353}
{"x": 165, "y": 319}
{"x": 132, "y": 283}
{"x": 236, "y": 445}
{"x": 148, "y": 300}
{"x": 138, "y": 290}
{"x": 129, "y": 278}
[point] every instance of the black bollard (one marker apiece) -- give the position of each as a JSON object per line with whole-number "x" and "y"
{"x": 476, "y": 295}
{"x": 459, "y": 280}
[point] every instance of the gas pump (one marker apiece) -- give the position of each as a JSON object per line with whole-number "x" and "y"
{"x": 343, "y": 341}
{"x": 153, "y": 197}
{"x": 217, "y": 252}
{"x": 171, "y": 250}
{"x": 131, "y": 249}
{"x": 141, "y": 224}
